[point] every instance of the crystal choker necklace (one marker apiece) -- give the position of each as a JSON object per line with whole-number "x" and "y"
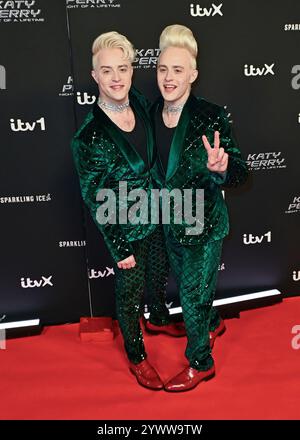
{"x": 113, "y": 107}
{"x": 173, "y": 108}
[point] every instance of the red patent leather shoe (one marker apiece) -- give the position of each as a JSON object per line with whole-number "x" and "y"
{"x": 188, "y": 379}
{"x": 217, "y": 332}
{"x": 175, "y": 329}
{"x": 146, "y": 375}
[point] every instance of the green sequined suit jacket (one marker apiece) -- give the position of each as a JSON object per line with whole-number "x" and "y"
{"x": 103, "y": 158}
{"x": 187, "y": 166}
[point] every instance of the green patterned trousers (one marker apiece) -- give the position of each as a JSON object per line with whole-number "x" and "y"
{"x": 195, "y": 269}
{"x": 152, "y": 270}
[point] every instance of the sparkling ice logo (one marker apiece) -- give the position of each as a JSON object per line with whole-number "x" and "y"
{"x": 26, "y": 198}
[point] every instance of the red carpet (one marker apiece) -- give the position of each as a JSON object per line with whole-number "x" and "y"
{"x": 56, "y": 376}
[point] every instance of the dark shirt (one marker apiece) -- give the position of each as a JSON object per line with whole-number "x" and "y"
{"x": 137, "y": 138}
{"x": 164, "y": 137}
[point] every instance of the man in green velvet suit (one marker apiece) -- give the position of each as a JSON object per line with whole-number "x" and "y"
{"x": 114, "y": 154}
{"x": 197, "y": 151}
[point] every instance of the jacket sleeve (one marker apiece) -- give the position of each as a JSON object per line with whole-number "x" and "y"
{"x": 237, "y": 172}
{"x": 93, "y": 170}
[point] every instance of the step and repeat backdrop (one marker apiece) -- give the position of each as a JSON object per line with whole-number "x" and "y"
{"x": 53, "y": 261}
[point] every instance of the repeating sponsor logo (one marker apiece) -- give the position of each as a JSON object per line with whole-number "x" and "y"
{"x": 298, "y": 118}
{"x": 83, "y": 4}
{"x": 296, "y": 79}
{"x": 294, "y": 205}
{"x": 28, "y": 283}
{"x": 26, "y": 199}
{"x": 67, "y": 88}
{"x": 79, "y": 243}
{"x": 101, "y": 273}
{"x": 198, "y": 11}
{"x": 266, "y": 161}
{"x": 2, "y": 78}
{"x": 257, "y": 239}
{"x": 296, "y": 339}
{"x": 84, "y": 98}
{"x": 146, "y": 58}
{"x": 20, "y": 11}
{"x": 221, "y": 266}
{"x": 251, "y": 70}
{"x": 292, "y": 27}
{"x": 296, "y": 275}
{"x": 19, "y": 125}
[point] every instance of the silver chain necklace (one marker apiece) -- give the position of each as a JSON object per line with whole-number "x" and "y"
{"x": 113, "y": 107}
{"x": 173, "y": 108}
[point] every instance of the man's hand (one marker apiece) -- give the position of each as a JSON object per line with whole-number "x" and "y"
{"x": 217, "y": 158}
{"x": 128, "y": 263}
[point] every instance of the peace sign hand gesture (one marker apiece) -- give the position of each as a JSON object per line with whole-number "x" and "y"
{"x": 217, "y": 158}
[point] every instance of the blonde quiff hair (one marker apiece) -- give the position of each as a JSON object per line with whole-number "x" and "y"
{"x": 113, "y": 40}
{"x": 177, "y": 35}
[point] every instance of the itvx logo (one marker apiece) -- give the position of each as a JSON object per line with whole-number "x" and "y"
{"x": 198, "y": 11}
{"x": 250, "y": 70}
{"x": 27, "y": 126}
{"x": 85, "y": 98}
{"x": 29, "y": 283}
{"x": 256, "y": 239}
{"x": 101, "y": 273}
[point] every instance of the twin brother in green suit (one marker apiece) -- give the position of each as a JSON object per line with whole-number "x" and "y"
{"x": 120, "y": 141}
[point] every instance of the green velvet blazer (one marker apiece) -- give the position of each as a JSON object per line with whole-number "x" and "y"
{"x": 187, "y": 166}
{"x": 103, "y": 157}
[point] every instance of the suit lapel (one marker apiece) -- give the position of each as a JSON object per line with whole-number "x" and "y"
{"x": 183, "y": 131}
{"x": 145, "y": 118}
{"x": 129, "y": 152}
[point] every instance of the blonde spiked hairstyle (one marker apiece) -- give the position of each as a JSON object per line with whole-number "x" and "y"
{"x": 113, "y": 40}
{"x": 177, "y": 35}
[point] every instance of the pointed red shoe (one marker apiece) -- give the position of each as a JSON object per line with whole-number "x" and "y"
{"x": 146, "y": 375}
{"x": 188, "y": 379}
{"x": 175, "y": 329}
{"x": 217, "y": 332}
